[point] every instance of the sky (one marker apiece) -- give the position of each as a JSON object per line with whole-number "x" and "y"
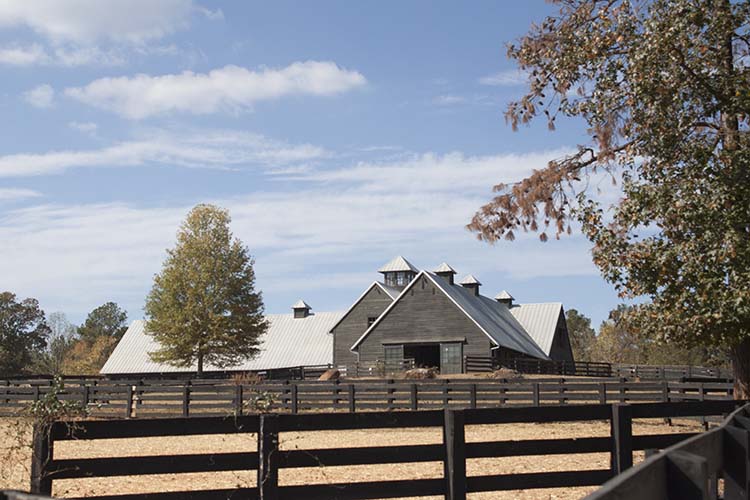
{"x": 337, "y": 134}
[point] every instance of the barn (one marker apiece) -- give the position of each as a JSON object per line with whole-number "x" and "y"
{"x": 412, "y": 315}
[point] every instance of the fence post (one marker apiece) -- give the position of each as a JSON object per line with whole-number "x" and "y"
{"x": 129, "y": 403}
{"x": 413, "y": 397}
{"x": 40, "y": 457}
{"x": 622, "y": 437}
{"x": 454, "y": 444}
{"x": 84, "y": 395}
{"x": 294, "y": 400}
{"x": 473, "y": 396}
{"x": 268, "y": 457}
{"x": 186, "y": 400}
{"x": 687, "y": 476}
{"x": 736, "y": 463}
{"x": 535, "y": 393}
{"x": 238, "y": 400}
{"x": 352, "y": 401}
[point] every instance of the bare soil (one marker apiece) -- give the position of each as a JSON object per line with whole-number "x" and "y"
{"x": 14, "y": 460}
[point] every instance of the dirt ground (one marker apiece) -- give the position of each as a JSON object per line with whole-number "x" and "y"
{"x": 14, "y": 461}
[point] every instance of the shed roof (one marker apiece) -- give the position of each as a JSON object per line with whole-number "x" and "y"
{"x": 540, "y": 320}
{"x": 396, "y": 264}
{"x": 288, "y": 342}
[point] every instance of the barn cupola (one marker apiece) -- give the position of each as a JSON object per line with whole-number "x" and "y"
{"x": 446, "y": 272}
{"x": 504, "y": 298}
{"x": 301, "y": 309}
{"x": 398, "y": 272}
{"x": 470, "y": 283}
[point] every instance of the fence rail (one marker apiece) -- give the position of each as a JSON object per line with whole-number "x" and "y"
{"x": 267, "y": 459}
{"x": 163, "y": 398}
{"x": 592, "y": 369}
{"x": 691, "y": 469}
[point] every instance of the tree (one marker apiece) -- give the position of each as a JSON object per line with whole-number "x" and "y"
{"x": 618, "y": 341}
{"x": 203, "y": 307}
{"x": 23, "y": 333}
{"x": 60, "y": 340}
{"x": 582, "y": 336}
{"x": 86, "y": 357}
{"x": 663, "y": 87}
{"x": 106, "y": 320}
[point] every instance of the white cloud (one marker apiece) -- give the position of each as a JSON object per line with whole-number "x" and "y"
{"x": 507, "y": 78}
{"x": 16, "y": 194}
{"x": 41, "y": 96}
{"x": 231, "y": 88}
{"x": 449, "y": 100}
{"x": 87, "y": 21}
{"x": 330, "y": 234}
{"x": 67, "y": 56}
{"x": 198, "y": 149}
{"x": 88, "y": 128}
{"x": 17, "y": 55}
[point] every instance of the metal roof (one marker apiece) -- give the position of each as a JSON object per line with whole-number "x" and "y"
{"x": 288, "y": 342}
{"x": 301, "y": 304}
{"x": 540, "y": 320}
{"x": 398, "y": 263}
{"x": 444, "y": 268}
{"x": 503, "y": 296}
{"x": 392, "y": 291}
{"x": 469, "y": 279}
{"x": 492, "y": 318}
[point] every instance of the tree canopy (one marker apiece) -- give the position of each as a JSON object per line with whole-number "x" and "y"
{"x": 582, "y": 336}
{"x": 203, "y": 307}
{"x": 664, "y": 87}
{"x": 107, "y": 320}
{"x": 23, "y": 333}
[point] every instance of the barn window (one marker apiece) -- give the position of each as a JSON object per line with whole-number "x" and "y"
{"x": 371, "y": 320}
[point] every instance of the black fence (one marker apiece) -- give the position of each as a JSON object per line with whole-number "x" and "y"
{"x": 592, "y": 369}
{"x": 691, "y": 470}
{"x": 165, "y": 398}
{"x": 268, "y": 458}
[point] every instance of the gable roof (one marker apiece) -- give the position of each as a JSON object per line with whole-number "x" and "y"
{"x": 503, "y": 296}
{"x": 289, "y": 342}
{"x": 301, "y": 304}
{"x": 469, "y": 279}
{"x": 398, "y": 263}
{"x": 389, "y": 290}
{"x": 491, "y": 317}
{"x": 540, "y": 320}
{"x": 444, "y": 268}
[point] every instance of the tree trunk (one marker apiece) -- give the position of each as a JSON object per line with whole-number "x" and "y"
{"x": 741, "y": 369}
{"x": 200, "y": 365}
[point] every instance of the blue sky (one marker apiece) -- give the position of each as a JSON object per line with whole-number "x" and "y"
{"x": 338, "y": 134}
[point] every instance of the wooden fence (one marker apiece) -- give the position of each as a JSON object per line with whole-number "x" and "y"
{"x": 20, "y": 495}
{"x": 592, "y": 369}
{"x": 221, "y": 398}
{"x": 453, "y": 451}
{"x": 691, "y": 469}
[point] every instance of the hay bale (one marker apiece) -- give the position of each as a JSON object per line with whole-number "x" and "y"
{"x": 505, "y": 373}
{"x": 421, "y": 373}
{"x": 332, "y": 374}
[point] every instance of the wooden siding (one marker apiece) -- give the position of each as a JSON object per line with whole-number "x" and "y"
{"x": 561, "y": 349}
{"x": 354, "y": 325}
{"x": 426, "y": 315}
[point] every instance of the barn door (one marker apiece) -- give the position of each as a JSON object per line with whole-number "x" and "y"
{"x": 451, "y": 358}
{"x": 394, "y": 357}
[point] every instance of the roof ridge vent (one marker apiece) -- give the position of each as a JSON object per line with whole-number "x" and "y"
{"x": 504, "y": 298}
{"x": 301, "y": 309}
{"x": 446, "y": 272}
{"x": 471, "y": 283}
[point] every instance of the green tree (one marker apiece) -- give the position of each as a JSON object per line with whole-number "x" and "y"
{"x": 23, "y": 333}
{"x": 106, "y": 320}
{"x": 618, "y": 341}
{"x": 61, "y": 339}
{"x": 664, "y": 87}
{"x": 203, "y": 307}
{"x": 582, "y": 336}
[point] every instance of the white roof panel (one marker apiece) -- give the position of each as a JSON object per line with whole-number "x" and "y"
{"x": 398, "y": 263}
{"x": 540, "y": 320}
{"x": 444, "y": 268}
{"x": 289, "y": 342}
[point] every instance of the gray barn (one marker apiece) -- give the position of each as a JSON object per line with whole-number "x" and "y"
{"x": 427, "y": 317}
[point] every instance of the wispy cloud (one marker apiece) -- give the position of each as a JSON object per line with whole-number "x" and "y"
{"x": 41, "y": 96}
{"x": 17, "y": 194}
{"x": 231, "y": 88}
{"x": 198, "y": 149}
{"x": 507, "y": 78}
{"x": 449, "y": 100}
{"x": 340, "y": 222}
